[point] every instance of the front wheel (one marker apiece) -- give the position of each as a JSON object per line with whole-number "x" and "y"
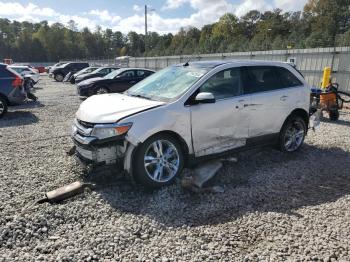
{"x": 101, "y": 90}
{"x": 3, "y": 107}
{"x": 292, "y": 134}
{"x": 159, "y": 160}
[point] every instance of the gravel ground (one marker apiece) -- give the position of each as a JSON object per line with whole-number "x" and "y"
{"x": 275, "y": 207}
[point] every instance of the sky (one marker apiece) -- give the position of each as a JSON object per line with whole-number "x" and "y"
{"x": 128, "y": 15}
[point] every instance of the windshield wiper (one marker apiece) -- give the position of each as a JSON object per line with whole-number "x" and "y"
{"x": 140, "y": 96}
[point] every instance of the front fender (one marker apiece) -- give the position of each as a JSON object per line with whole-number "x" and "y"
{"x": 171, "y": 117}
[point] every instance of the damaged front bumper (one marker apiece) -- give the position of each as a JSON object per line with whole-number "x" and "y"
{"x": 91, "y": 152}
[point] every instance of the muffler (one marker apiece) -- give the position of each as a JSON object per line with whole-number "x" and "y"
{"x": 65, "y": 192}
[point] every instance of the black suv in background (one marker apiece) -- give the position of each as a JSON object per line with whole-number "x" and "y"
{"x": 60, "y": 72}
{"x": 116, "y": 82}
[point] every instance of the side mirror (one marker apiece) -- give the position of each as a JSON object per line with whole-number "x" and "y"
{"x": 205, "y": 98}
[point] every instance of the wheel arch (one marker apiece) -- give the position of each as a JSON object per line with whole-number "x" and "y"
{"x": 58, "y": 73}
{"x": 298, "y": 112}
{"x": 182, "y": 142}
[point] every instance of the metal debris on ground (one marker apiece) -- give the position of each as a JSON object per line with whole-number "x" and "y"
{"x": 196, "y": 179}
{"x": 65, "y": 192}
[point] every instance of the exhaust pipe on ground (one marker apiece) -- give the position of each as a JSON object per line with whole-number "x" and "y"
{"x": 65, "y": 192}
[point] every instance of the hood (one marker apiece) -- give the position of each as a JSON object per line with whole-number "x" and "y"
{"x": 109, "y": 108}
{"x": 89, "y": 81}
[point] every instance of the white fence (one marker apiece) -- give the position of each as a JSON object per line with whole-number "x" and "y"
{"x": 310, "y": 62}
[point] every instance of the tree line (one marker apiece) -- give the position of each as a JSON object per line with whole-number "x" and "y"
{"x": 322, "y": 23}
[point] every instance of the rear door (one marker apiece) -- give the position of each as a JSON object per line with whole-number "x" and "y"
{"x": 272, "y": 99}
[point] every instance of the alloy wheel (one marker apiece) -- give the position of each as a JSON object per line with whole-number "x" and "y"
{"x": 59, "y": 78}
{"x": 161, "y": 161}
{"x": 294, "y": 136}
{"x": 101, "y": 91}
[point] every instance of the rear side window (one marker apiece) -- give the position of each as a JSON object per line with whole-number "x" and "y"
{"x": 140, "y": 73}
{"x": 17, "y": 69}
{"x": 260, "y": 79}
{"x": 267, "y": 78}
{"x": 288, "y": 79}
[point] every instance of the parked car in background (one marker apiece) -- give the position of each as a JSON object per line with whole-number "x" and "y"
{"x": 51, "y": 68}
{"x": 189, "y": 112}
{"x": 61, "y": 71}
{"x": 116, "y": 82}
{"x": 84, "y": 71}
{"x": 99, "y": 72}
{"x": 27, "y": 71}
{"x": 11, "y": 88}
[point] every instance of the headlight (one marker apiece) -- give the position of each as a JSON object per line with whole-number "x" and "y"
{"x": 110, "y": 130}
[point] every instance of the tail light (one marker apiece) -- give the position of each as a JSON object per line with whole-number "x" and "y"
{"x": 18, "y": 81}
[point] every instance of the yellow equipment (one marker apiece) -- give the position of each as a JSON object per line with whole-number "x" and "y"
{"x": 326, "y": 77}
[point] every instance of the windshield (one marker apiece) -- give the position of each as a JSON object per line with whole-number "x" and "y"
{"x": 113, "y": 74}
{"x": 167, "y": 84}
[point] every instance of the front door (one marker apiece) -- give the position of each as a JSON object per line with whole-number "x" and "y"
{"x": 123, "y": 81}
{"x": 223, "y": 125}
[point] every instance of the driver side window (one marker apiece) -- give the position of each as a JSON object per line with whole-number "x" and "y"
{"x": 224, "y": 84}
{"x": 127, "y": 74}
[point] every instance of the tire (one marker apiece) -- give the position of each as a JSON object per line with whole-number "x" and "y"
{"x": 159, "y": 160}
{"x": 101, "y": 90}
{"x": 344, "y": 96}
{"x": 72, "y": 80}
{"x": 3, "y": 106}
{"x": 334, "y": 115}
{"x": 59, "y": 77}
{"x": 292, "y": 134}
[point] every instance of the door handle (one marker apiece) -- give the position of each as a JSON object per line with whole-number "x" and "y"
{"x": 132, "y": 82}
{"x": 283, "y": 98}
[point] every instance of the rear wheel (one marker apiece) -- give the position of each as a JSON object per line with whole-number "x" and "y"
{"x": 3, "y": 106}
{"x": 292, "y": 134}
{"x": 59, "y": 77}
{"x": 159, "y": 160}
{"x": 101, "y": 90}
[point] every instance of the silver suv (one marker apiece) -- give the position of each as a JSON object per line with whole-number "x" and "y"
{"x": 187, "y": 112}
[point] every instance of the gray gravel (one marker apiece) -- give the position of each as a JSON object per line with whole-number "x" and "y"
{"x": 276, "y": 206}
